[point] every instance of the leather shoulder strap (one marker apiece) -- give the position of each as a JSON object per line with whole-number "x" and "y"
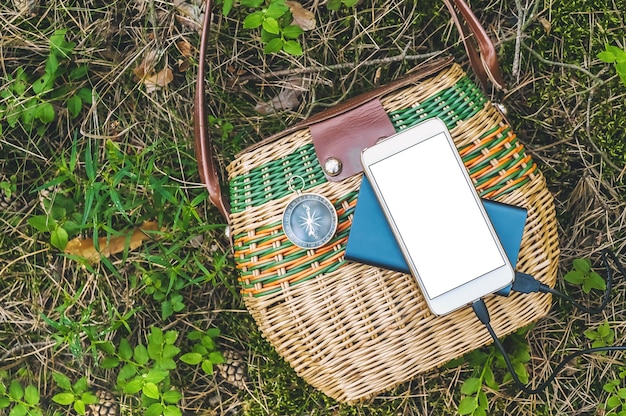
{"x": 480, "y": 51}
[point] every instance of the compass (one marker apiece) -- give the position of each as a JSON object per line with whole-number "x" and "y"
{"x": 310, "y": 221}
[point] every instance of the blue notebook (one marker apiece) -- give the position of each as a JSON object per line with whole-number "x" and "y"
{"x": 372, "y": 242}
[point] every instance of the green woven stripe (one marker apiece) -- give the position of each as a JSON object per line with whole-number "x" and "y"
{"x": 452, "y": 105}
{"x": 271, "y": 181}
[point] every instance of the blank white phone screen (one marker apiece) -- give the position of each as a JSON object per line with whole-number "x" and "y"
{"x": 436, "y": 215}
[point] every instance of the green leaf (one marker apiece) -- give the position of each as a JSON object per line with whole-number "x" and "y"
{"x": 253, "y": 20}
{"x": 292, "y": 32}
{"x": 59, "y": 46}
{"x": 207, "y": 367}
{"x": 166, "y": 364}
{"x": 172, "y": 411}
{"x": 125, "y": 350}
{"x": 470, "y": 386}
{"x": 613, "y": 402}
{"x": 64, "y": 399}
{"x": 483, "y": 402}
{"x": 59, "y": 238}
{"x": 622, "y": 393}
{"x": 41, "y": 223}
{"x": 273, "y": 46}
{"x": 213, "y": 332}
{"x": 18, "y": 410}
{"x": 172, "y": 396}
{"x": 604, "y": 330}
{"x": 81, "y": 385}
{"x": 4, "y": 402}
{"x": 227, "y": 6}
{"x": 45, "y": 113}
{"x": 271, "y": 25}
{"x": 216, "y": 357}
{"x": 170, "y": 351}
{"x": 333, "y": 4}
{"x": 141, "y": 354}
{"x": 74, "y": 105}
{"x": 43, "y": 84}
{"x": 596, "y": 281}
{"x": 607, "y": 57}
{"x": 126, "y": 372}
{"x": 574, "y": 277}
{"x": 154, "y": 351}
{"x": 52, "y": 66}
{"x": 151, "y": 390}
{"x": 31, "y": 395}
{"x": 109, "y": 363}
{"x": 276, "y": 9}
{"x": 252, "y": 3}
{"x": 170, "y": 337}
{"x": 292, "y": 47}
{"x": 621, "y": 70}
{"x": 155, "y": 409}
{"x": 89, "y": 398}
{"x": 134, "y": 386}
{"x": 467, "y": 405}
{"x": 194, "y": 335}
{"x": 611, "y": 386}
{"x": 156, "y": 376}
{"x": 86, "y": 94}
{"x": 16, "y": 392}
{"x": 582, "y": 265}
{"x": 78, "y": 72}
{"x": 208, "y": 342}
{"x": 191, "y": 358}
{"x": 156, "y": 336}
{"x": 62, "y": 381}
{"x": 490, "y": 380}
{"x": 617, "y": 52}
{"x": 79, "y": 407}
{"x": 520, "y": 370}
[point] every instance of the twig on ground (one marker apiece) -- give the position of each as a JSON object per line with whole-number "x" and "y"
{"x": 561, "y": 64}
{"x": 313, "y": 69}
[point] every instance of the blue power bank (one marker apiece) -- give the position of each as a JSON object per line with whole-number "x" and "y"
{"x": 372, "y": 242}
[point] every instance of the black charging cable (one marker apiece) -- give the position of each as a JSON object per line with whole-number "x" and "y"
{"x": 527, "y": 285}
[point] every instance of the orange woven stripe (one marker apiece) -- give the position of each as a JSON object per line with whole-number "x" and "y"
{"x": 481, "y": 142}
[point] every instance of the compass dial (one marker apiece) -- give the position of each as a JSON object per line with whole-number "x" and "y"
{"x": 310, "y": 221}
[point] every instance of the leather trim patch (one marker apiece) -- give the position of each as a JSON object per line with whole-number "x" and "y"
{"x": 344, "y": 136}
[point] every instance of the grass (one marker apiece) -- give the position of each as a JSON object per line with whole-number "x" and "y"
{"x": 104, "y": 168}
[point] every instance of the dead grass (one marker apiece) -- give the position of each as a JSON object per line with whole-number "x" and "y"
{"x": 562, "y": 100}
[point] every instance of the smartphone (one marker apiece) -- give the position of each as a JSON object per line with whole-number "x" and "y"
{"x": 437, "y": 217}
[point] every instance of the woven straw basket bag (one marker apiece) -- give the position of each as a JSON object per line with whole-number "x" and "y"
{"x": 349, "y": 329}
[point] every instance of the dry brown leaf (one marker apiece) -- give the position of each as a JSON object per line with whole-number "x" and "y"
{"x": 547, "y": 26}
{"x": 85, "y": 247}
{"x": 189, "y": 14}
{"x": 287, "y": 99}
{"x": 301, "y": 16}
{"x": 146, "y": 66}
{"x": 158, "y": 80}
{"x": 184, "y": 47}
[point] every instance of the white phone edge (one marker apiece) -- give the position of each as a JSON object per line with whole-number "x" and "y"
{"x": 470, "y": 291}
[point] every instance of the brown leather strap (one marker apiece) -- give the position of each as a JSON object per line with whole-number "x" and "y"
{"x": 480, "y": 51}
{"x": 204, "y": 152}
